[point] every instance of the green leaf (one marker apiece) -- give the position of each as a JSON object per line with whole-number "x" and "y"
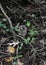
{"x": 16, "y": 28}
{"x": 20, "y": 45}
{"x": 7, "y": 30}
{"x": 33, "y": 39}
{"x": 15, "y": 63}
{"x": 27, "y": 40}
{"x": 13, "y": 28}
{"x": 0, "y": 24}
{"x": 18, "y": 56}
{"x": 33, "y": 32}
{"x": 4, "y": 19}
{"x": 28, "y": 23}
{"x": 4, "y": 27}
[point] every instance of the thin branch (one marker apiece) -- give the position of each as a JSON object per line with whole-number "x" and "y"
{"x": 1, "y": 63}
{"x": 7, "y": 19}
{"x": 18, "y": 5}
{"x": 17, "y": 54}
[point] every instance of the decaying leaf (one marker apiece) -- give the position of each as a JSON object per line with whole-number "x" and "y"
{"x": 9, "y": 59}
{"x": 11, "y": 49}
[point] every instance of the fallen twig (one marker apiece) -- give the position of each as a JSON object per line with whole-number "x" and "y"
{"x": 10, "y": 22}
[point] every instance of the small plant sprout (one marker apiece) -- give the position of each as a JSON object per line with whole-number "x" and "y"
{"x": 33, "y": 32}
{"x": 33, "y": 39}
{"x": 28, "y": 23}
{"x": 4, "y": 19}
{"x": 3, "y": 25}
{"x": 20, "y": 45}
{"x": 27, "y": 40}
{"x": 16, "y": 28}
{"x": 18, "y": 57}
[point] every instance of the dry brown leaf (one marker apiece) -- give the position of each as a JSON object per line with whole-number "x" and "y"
{"x": 9, "y": 59}
{"x": 11, "y": 49}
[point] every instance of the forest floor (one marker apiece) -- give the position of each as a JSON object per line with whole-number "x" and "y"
{"x": 23, "y": 32}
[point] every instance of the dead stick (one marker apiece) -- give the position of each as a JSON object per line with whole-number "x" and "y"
{"x": 7, "y": 19}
